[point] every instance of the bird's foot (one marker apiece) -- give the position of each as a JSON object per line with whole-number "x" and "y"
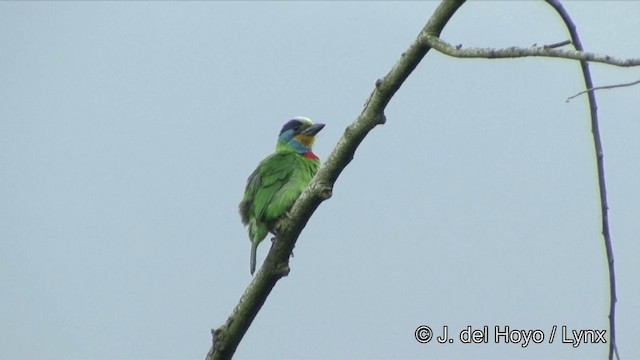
{"x": 286, "y": 216}
{"x": 273, "y": 241}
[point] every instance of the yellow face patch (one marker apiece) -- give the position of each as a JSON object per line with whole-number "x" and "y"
{"x": 305, "y": 140}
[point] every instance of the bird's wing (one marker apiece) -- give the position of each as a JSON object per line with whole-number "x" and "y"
{"x": 263, "y": 184}
{"x": 249, "y": 193}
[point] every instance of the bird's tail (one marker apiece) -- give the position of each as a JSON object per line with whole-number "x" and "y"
{"x": 254, "y": 248}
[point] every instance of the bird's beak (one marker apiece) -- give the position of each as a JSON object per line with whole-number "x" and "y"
{"x": 312, "y": 130}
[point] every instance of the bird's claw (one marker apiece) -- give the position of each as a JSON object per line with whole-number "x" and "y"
{"x": 273, "y": 241}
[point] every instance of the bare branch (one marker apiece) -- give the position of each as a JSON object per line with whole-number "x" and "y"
{"x": 597, "y": 144}
{"x": 227, "y": 337}
{"x": 516, "y": 52}
{"x": 603, "y": 88}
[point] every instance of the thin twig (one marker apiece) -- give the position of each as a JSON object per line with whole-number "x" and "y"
{"x": 604, "y": 207}
{"x": 557, "y": 45}
{"x": 603, "y": 88}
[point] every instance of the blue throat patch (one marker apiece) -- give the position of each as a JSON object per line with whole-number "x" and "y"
{"x": 287, "y": 138}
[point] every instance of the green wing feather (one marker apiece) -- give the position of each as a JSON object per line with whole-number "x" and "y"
{"x": 263, "y": 185}
{"x": 271, "y": 191}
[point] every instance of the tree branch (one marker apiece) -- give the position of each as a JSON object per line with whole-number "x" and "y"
{"x": 516, "y": 52}
{"x": 226, "y": 338}
{"x": 597, "y": 143}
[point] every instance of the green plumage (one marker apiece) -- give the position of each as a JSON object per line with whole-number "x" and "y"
{"x": 275, "y": 185}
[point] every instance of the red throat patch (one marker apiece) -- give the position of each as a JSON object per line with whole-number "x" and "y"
{"x": 310, "y": 155}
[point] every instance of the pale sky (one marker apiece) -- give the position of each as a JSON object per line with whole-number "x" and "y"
{"x": 128, "y": 130}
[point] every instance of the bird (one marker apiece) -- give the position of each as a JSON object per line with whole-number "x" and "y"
{"x": 278, "y": 181}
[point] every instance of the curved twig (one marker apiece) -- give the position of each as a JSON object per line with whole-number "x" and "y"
{"x": 604, "y": 207}
{"x": 606, "y": 87}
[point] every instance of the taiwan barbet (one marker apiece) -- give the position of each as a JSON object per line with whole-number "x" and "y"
{"x": 278, "y": 180}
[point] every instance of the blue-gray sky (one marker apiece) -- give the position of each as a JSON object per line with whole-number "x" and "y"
{"x": 127, "y": 132}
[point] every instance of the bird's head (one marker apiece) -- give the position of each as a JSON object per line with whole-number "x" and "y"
{"x": 298, "y": 134}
